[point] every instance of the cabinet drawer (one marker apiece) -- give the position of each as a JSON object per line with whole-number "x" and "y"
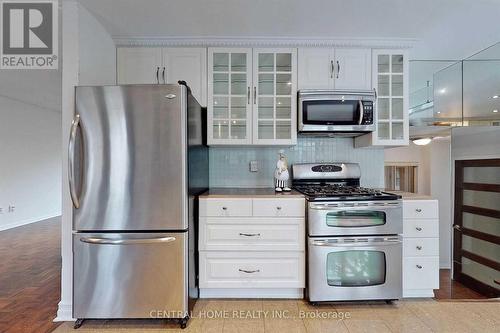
{"x": 421, "y": 273}
{"x": 420, "y": 228}
{"x": 226, "y": 207}
{"x": 417, "y": 247}
{"x": 252, "y": 270}
{"x": 252, "y": 234}
{"x": 420, "y": 209}
{"x": 279, "y": 207}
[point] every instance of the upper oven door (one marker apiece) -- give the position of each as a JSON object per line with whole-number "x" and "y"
{"x": 355, "y": 218}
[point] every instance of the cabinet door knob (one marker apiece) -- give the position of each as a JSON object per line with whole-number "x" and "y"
{"x": 419, "y": 266}
{"x": 419, "y": 247}
{"x": 278, "y": 208}
{"x": 418, "y": 228}
{"x": 418, "y": 210}
{"x": 224, "y": 208}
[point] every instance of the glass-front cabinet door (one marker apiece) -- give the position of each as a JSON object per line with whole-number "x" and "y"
{"x": 274, "y": 96}
{"x": 229, "y": 97}
{"x": 390, "y": 81}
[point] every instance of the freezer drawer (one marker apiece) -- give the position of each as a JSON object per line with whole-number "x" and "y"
{"x": 129, "y": 275}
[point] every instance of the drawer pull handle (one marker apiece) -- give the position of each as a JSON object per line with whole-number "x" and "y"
{"x": 418, "y": 210}
{"x": 249, "y": 272}
{"x": 224, "y": 208}
{"x": 249, "y": 235}
{"x": 418, "y": 228}
{"x": 419, "y": 266}
{"x": 278, "y": 208}
{"x": 419, "y": 247}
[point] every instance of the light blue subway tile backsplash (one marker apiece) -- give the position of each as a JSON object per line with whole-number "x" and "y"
{"x": 230, "y": 166}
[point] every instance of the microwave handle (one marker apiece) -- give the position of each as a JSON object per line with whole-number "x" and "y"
{"x": 360, "y": 112}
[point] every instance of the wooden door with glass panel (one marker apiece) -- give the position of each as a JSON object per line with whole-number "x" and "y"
{"x": 476, "y": 237}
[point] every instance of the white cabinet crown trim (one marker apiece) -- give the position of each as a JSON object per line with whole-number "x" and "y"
{"x": 397, "y": 43}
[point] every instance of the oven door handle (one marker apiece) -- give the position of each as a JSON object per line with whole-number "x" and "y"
{"x": 355, "y": 244}
{"x": 344, "y": 208}
{"x": 360, "y": 112}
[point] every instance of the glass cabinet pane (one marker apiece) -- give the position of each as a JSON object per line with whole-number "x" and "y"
{"x": 238, "y": 129}
{"x": 221, "y": 84}
{"x": 397, "y": 85}
{"x": 266, "y": 129}
{"x": 283, "y": 130}
{"x": 238, "y": 107}
{"x": 355, "y": 268}
{"x": 266, "y": 84}
{"x": 283, "y": 84}
{"x": 383, "y": 85}
{"x": 383, "y": 131}
{"x": 383, "y": 108}
{"x": 283, "y": 108}
{"x": 383, "y": 63}
{"x": 221, "y": 62}
{"x": 266, "y": 108}
{"x": 221, "y": 129}
{"x": 266, "y": 62}
{"x": 397, "y": 131}
{"x": 397, "y": 63}
{"x": 283, "y": 62}
{"x": 238, "y": 84}
{"x": 397, "y": 108}
{"x": 221, "y": 107}
{"x": 238, "y": 62}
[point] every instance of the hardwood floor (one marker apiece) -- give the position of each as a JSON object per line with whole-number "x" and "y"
{"x": 449, "y": 289}
{"x": 30, "y": 268}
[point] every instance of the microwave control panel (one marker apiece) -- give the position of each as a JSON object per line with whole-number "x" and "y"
{"x": 367, "y": 113}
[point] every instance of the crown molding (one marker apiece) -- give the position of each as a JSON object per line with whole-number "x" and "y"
{"x": 399, "y": 43}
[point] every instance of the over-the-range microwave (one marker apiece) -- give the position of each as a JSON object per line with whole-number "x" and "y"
{"x": 336, "y": 112}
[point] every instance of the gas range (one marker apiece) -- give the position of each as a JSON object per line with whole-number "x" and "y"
{"x": 334, "y": 182}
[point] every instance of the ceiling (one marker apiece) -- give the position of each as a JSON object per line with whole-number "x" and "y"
{"x": 447, "y": 29}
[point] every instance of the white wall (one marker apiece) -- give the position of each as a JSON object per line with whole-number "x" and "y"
{"x": 414, "y": 154}
{"x": 30, "y": 162}
{"x": 88, "y": 59}
{"x": 440, "y": 179}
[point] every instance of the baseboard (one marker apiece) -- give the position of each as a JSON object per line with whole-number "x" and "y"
{"x": 64, "y": 313}
{"x": 296, "y": 293}
{"x": 28, "y": 221}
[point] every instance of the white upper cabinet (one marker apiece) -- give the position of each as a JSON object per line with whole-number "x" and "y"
{"x": 229, "y": 96}
{"x": 150, "y": 65}
{"x": 328, "y": 68}
{"x": 190, "y": 65}
{"x": 141, "y": 65}
{"x": 390, "y": 79}
{"x": 316, "y": 68}
{"x": 275, "y": 96}
{"x": 252, "y": 96}
{"x": 353, "y": 69}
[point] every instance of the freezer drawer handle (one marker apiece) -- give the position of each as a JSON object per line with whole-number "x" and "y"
{"x": 111, "y": 241}
{"x": 249, "y": 272}
{"x": 71, "y": 161}
{"x": 249, "y": 235}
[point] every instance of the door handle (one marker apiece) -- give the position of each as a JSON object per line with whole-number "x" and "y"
{"x": 332, "y": 69}
{"x": 338, "y": 69}
{"x": 157, "y": 72}
{"x": 254, "y": 95}
{"x": 249, "y": 272}
{"x": 71, "y": 161}
{"x": 249, "y": 235}
{"x": 248, "y": 95}
{"x": 457, "y": 227}
{"x": 126, "y": 241}
{"x": 418, "y": 228}
{"x": 361, "y": 112}
{"x": 163, "y": 75}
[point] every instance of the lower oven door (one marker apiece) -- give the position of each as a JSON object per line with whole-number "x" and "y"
{"x": 358, "y": 268}
{"x": 355, "y": 218}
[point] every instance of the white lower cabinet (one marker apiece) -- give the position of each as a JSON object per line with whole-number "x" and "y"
{"x": 257, "y": 256}
{"x": 420, "y": 248}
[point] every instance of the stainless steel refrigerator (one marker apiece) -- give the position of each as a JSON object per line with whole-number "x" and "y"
{"x": 137, "y": 160}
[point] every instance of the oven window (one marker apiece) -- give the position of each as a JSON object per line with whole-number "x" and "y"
{"x": 355, "y": 268}
{"x": 331, "y": 112}
{"x": 355, "y": 218}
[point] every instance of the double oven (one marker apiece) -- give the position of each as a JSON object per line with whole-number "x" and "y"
{"x": 355, "y": 250}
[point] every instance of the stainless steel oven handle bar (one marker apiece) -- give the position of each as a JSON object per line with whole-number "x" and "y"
{"x": 365, "y": 206}
{"x": 126, "y": 241}
{"x": 355, "y": 243}
{"x": 71, "y": 161}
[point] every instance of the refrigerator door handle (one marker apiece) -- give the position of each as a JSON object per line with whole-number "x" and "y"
{"x": 71, "y": 161}
{"x": 126, "y": 241}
